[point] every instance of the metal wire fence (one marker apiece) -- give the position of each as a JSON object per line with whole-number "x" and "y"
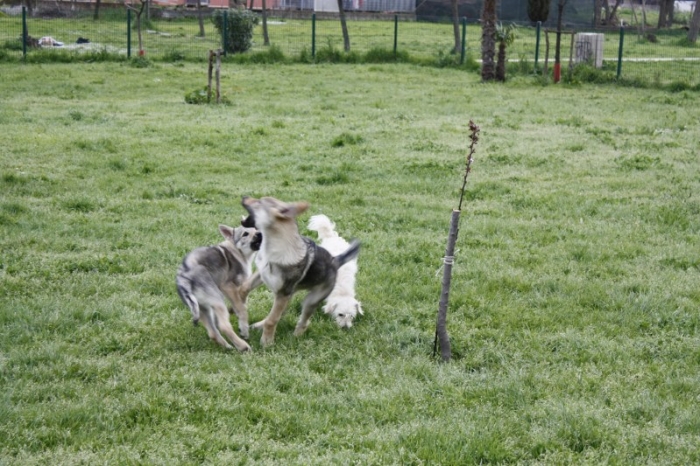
{"x": 662, "y": 57}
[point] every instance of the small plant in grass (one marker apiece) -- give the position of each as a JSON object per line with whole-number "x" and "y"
{"x": 140, "y": 62}
{"x": 174, "y": 55}
{"x": 346, "y": 139}
{"x": 201, "y": 96}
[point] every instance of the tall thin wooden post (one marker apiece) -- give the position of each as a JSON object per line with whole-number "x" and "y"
{"x": 441, "y": 336}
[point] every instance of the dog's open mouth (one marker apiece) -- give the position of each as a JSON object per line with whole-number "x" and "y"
{"x": 256, "y": 242}
{"x": 248, "y": 222}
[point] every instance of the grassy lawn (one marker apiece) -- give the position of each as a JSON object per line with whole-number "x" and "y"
{"x": 574, "y": 308}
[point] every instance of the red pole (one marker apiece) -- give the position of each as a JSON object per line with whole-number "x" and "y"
{"x": 557, "y": 72}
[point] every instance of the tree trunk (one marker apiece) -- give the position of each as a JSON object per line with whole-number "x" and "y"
{"x": 662, "y": 14}
{"x": 597, "y": 5}
{"x": 665, "y": 14}
{"x": 694, "y": 24}
{"x": 501, "y": 63}
{"x": 612, "y": 20}
{"x": 96, "y": 16}
{"x": 200, "y": 18}
{"x": 266, "y": 37}
{"x": 344, "y": 26}
{"x": 455, "y": 26}
{"x": 488, "y": 40}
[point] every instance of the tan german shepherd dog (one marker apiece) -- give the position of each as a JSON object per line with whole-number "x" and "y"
{"x": 288, "y": 262}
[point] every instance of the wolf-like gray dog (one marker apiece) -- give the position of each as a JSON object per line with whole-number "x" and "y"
{"x": 288, "y": 262}
{"x": 208, "y": 273}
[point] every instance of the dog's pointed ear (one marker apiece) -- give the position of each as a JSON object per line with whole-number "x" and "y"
{"x": 293, "y": 210}
{"x": 358, "y": 306}
{"x": 226, "y": 231}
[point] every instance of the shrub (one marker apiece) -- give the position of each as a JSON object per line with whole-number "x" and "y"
{"x": 269, "y": 56}
{"x": 197, "y": 97}
{"x": 380, "y": 55}
{"x": 239, "y": 29}
{"x": 330, "y": 54}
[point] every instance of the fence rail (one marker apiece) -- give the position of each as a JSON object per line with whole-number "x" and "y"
{"x": 663, "y": 56}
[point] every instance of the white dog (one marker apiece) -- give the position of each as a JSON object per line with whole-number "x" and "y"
{"x": 341, "y": 303}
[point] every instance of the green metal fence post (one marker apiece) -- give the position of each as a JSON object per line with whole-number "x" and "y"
{"x": 25, "y": 33}
{"x": 537, "y": 44}
{"x": 313, "y": 36}
{"x": 464, "y": 41}
{"x": 128, "y": 33}
{"x": 619, "y": 52}
{"x": 224, "y": 31}
{"x": 396, "y": 33}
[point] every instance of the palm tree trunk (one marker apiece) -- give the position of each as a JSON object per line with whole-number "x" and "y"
{"x": 501, "y": 63}
{"x": 488, "y": 40}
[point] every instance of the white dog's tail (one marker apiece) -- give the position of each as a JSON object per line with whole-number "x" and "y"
{"x": 323, "y": 226}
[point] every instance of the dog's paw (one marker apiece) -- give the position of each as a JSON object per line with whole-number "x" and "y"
{"x": 299, "y": 331}
{"x": 243, "y": 331}
{"x": 267, "y": 340}
{"x": 244, "y": 348}
{"x": 195, "y": 322}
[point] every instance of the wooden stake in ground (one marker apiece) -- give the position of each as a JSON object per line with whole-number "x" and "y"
{"x": 213, "y": 54}
{"x": 441, "y": 336}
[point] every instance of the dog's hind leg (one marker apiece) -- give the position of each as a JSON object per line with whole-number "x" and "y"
{"x": 239, "y": 308}
{"x": 225, "y": 325}
{"x": 269, "y": 323}
{"x": 208, "y": 319}
{"x": 309, "y": 306}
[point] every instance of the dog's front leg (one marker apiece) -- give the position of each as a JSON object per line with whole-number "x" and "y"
{"x": 269, "y": 323}
{"x": 250, "y": 284}
{"x": 239, "y": 307}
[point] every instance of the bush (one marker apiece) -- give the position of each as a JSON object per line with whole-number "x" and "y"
{"x": 239, "y": 29}
{"x": 271, "y": 55}
{"x": 197, "y": 97}
{"x": 379, "y": 55}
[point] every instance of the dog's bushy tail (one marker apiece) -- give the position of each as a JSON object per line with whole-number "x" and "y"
{"x": 184, "y": 289}
{"x": 323, "y": 226}
{"x": 349, "y": 254}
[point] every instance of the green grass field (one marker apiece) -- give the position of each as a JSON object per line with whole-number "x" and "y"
{"x": 573, "y": 316}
